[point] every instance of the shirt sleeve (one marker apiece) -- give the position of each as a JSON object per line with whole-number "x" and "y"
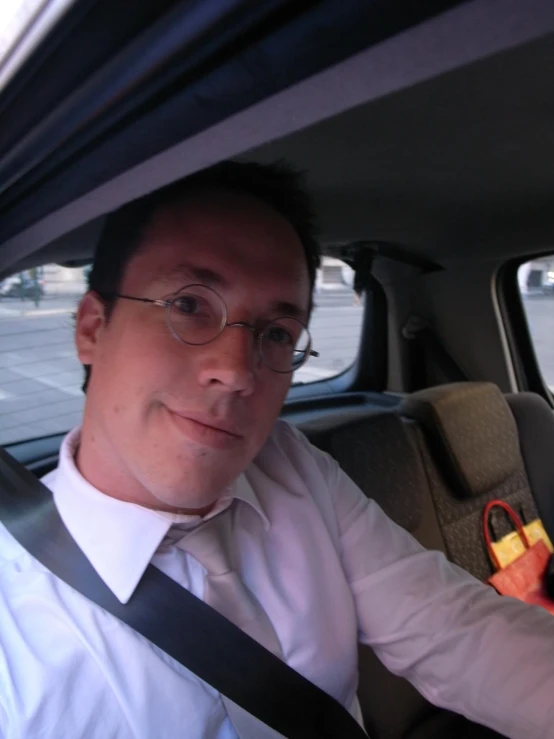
{"x": 3, "y": 712}
{"x": 464, "y": 647}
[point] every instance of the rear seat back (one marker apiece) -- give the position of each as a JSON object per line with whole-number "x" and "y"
{"x": 471, "y": 453}
{"x": 432, "y": 465}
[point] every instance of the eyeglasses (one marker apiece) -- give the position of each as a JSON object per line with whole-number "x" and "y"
{"x": 197, "y": 315}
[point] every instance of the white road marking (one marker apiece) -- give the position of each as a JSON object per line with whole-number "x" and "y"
{"x": 35, "y": 313}
{"x": 73, "y": 391}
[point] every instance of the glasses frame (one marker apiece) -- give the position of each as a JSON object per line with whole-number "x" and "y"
{"x": 258, "y": 335}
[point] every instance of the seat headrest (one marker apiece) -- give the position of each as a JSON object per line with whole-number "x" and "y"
{"x": 472, "y": 430}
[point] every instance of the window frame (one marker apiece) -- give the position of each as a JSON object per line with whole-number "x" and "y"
{"x": 525, "y": 362}
{"x": 368, "y": 371}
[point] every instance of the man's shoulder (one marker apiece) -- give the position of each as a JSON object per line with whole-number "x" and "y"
{"x": 11, "y": 552}
{"x": 291, "y": 465}
{"x": 283, "y": 429}
{"x": 288, "y": 452}
{"x": 288, "y": 439}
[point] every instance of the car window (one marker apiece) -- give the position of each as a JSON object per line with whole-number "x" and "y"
{"x": 536, "y": 285}
{"x": 41, "y": 377}
{"x": 336, "y": 323}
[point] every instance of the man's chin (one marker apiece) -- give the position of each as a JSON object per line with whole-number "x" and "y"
{"x": 184, "y": 478}
{"x": 182, "y": 505}
{"x": 181, "y": 499}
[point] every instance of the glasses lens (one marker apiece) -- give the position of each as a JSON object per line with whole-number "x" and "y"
{"x": 197, "y": 315}
{"x": 285, "y": 345}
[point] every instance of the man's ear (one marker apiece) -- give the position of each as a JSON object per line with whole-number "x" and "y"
{"x": 90, "y": 321}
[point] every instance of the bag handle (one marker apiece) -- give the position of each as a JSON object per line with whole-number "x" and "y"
{"x": 515, "y": 519}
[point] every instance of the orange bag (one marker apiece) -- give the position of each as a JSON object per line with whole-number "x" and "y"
{"x": 523, "y": 578}
{"x": 511, "y": 546}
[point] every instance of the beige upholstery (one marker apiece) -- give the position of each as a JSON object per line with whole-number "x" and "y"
{"x": 432, "y": 473}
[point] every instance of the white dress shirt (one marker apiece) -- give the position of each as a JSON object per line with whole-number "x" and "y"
{"x": 328, "y": 567}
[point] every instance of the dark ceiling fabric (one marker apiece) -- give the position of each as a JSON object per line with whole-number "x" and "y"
{"x": 227, "y": 62}
{"x": 473, "y": 432}
{"x": 466, "y": 189}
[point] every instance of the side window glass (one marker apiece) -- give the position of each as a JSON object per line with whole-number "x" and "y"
{"x": 536, "y": 285}
{"x": 40, "y": 375}
{"x": 335, "y": 324}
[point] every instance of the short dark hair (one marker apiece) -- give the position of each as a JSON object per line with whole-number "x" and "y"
{"x": 278, "y": 185}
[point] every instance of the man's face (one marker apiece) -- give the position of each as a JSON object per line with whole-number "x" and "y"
{"x": 170, "y": 425}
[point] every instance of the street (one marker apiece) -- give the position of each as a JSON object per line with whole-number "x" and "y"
{"x": 39, "y": 374}
{"x": 41, "y": 378}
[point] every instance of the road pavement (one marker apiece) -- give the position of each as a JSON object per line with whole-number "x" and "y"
{"x": 39, "y": 373}
{"x": 41, "y": 378}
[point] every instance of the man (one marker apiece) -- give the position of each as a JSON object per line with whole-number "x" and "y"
{"x": 193, "y": 324}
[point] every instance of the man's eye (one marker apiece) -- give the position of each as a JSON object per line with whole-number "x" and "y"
{"x": 189, "y": 305}
{"x": 279, "y": 335}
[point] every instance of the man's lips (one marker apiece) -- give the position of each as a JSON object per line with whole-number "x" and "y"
{"x": 214, "y": 432}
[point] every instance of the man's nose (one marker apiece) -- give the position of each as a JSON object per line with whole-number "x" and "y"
{"x": 232, "y": 360}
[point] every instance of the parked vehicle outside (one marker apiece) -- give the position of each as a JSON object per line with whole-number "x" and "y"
{"x": 23, "y": 286}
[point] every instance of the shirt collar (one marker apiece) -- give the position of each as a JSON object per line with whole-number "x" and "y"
{"x": 243, "y": 490}
{"x": 120, "y": 538}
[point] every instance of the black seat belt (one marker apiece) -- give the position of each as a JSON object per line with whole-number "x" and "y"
{"x": 176, "y": 621}
{"x": 425, "y": 344}
{"x": 444, "y": 361}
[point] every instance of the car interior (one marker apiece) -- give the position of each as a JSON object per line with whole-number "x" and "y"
{"x": 427, "y": 139}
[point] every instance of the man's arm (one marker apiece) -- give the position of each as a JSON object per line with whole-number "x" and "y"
{"x": 464, "y": 647}
{"x": 3, "y": 712}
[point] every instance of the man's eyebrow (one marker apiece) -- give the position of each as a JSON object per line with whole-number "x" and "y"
{"x": 190, "y": 274}
{"x": 283, "y": 308}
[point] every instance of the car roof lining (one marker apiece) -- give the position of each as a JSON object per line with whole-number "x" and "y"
{"x": 380, "y": 165}
{"x": 447, "y": 179}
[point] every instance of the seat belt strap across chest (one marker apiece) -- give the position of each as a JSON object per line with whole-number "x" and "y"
{"x": 176, "y": 621}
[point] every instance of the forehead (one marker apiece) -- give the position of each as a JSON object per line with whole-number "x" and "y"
{"x": 237, "y": 237}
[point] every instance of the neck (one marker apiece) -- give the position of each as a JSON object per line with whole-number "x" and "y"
{"x": 95, "y": 463}
{"x": 184, "y": 511}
